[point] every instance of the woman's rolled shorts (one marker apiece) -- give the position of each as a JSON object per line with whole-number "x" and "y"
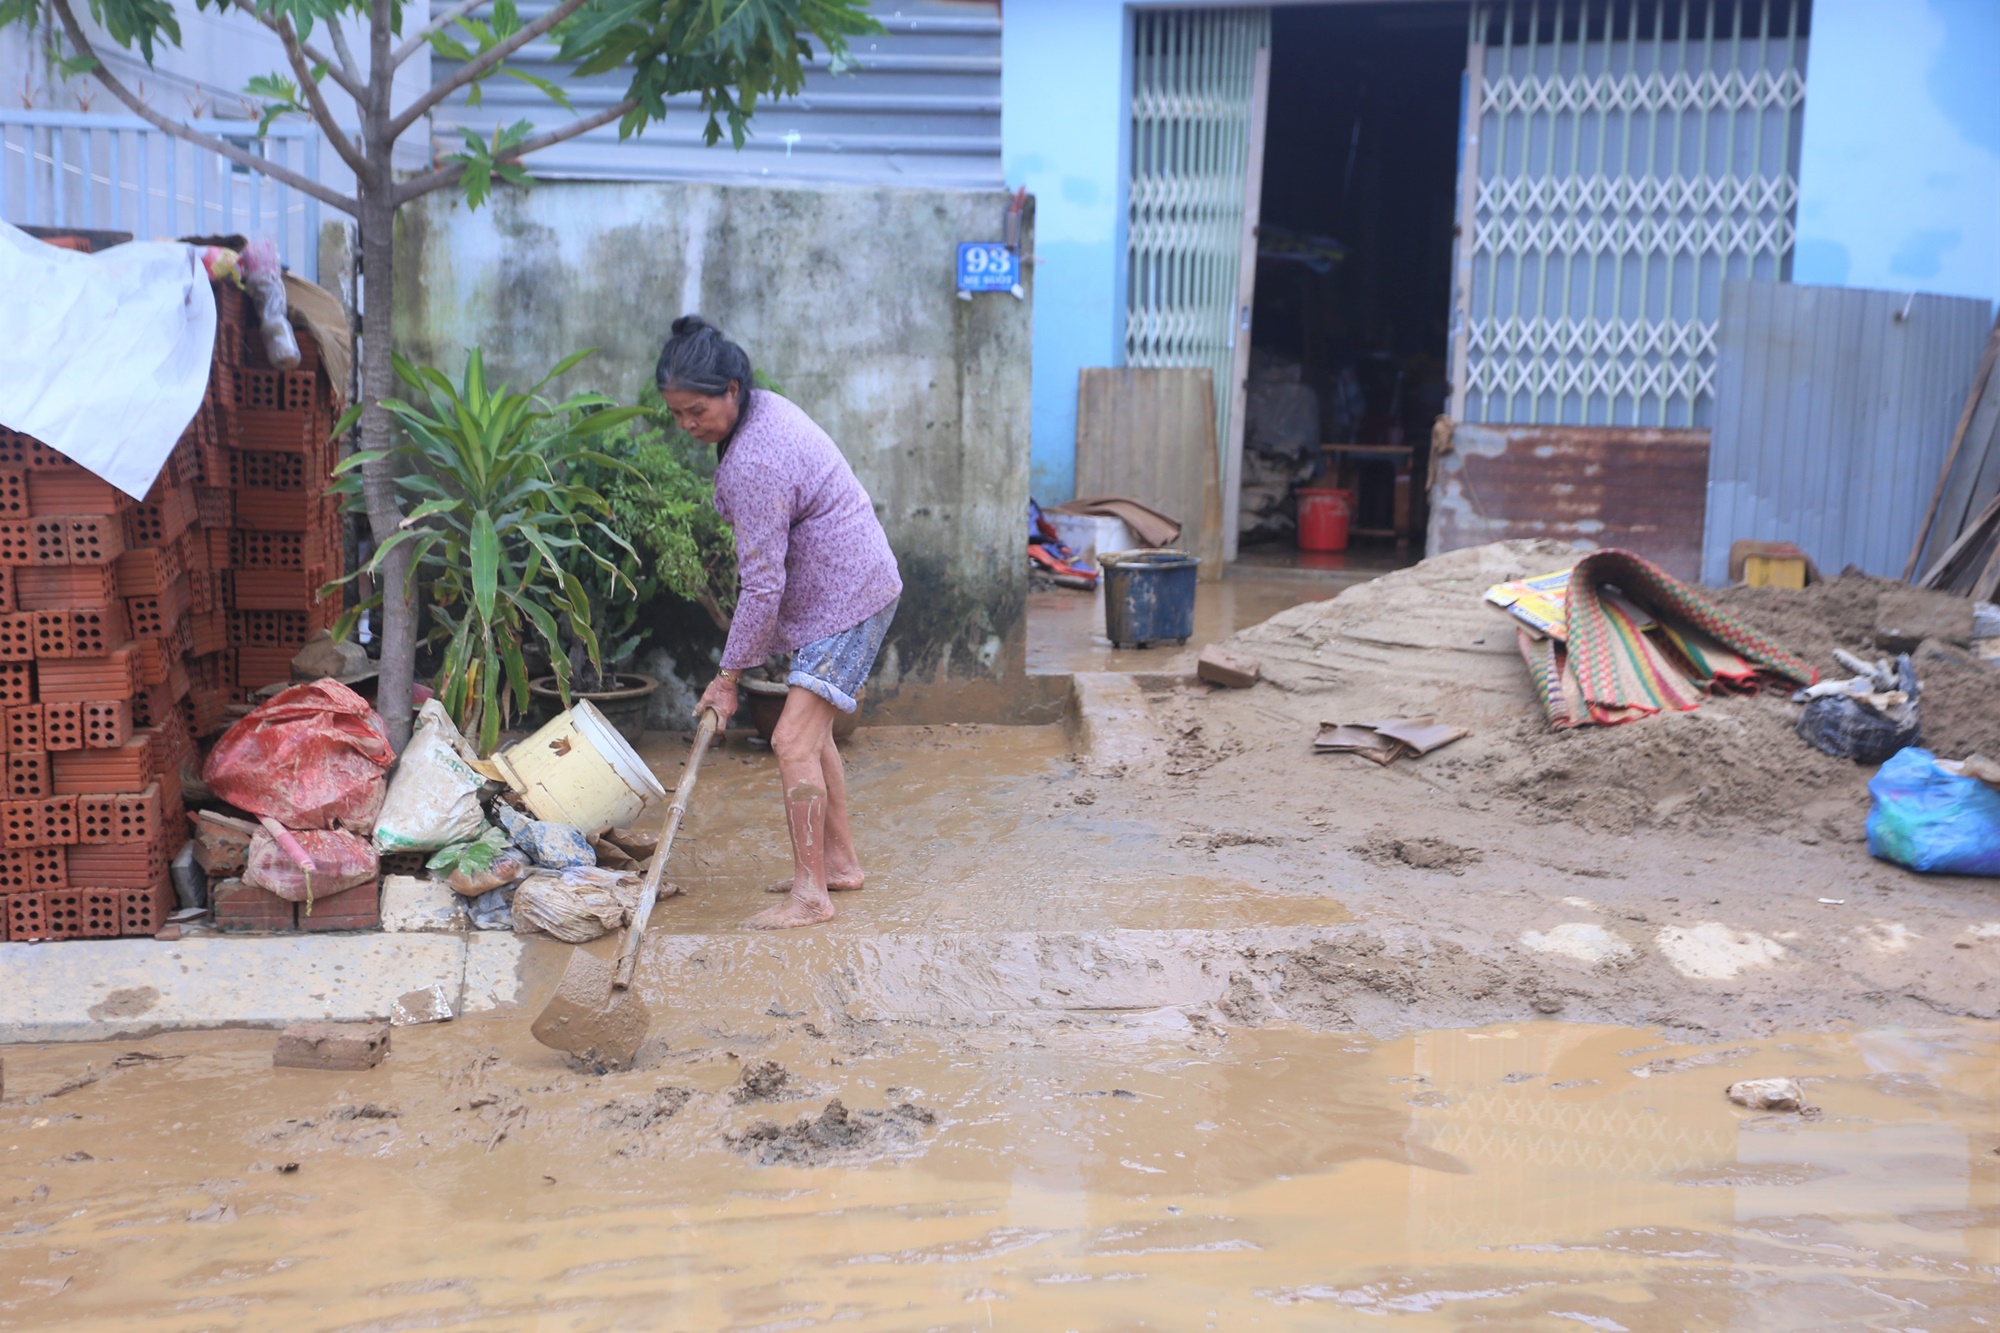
{"x": 836, "y": 667}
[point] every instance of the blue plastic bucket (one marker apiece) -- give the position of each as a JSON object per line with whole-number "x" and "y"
{"x": 1149, "y": 596}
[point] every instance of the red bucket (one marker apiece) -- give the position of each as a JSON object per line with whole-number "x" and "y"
{"x": 1323, "y": 512}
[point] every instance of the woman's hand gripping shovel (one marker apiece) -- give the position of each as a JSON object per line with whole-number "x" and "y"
{"x": 595, "y": 1015}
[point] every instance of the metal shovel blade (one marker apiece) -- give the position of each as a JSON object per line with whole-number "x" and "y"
{"x": 595, "y": 1016}
{"x": 591, "y": 1019}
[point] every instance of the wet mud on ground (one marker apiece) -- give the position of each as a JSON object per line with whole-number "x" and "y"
{"x": 1236, "y": 1035}
{"x": 1122, "y": 1172}
{"x": 970, "y": 828}
{"x": 1318, "y": 889}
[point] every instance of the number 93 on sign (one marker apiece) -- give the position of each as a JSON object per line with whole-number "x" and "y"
{"x": 988, "y": 266}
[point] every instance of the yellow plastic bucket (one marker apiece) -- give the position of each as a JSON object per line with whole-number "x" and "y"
{"x": 578, "y": 770}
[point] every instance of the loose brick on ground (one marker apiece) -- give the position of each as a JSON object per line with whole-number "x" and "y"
{"x": 335, "y": 1046}
{"x": 1218, "y": 666}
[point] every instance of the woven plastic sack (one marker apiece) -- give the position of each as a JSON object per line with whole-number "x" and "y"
{"x": 433, "y": 799}
{"x": 1932, "y": 821}
{"x": 343, "y": 860}
{"x": 576, "y": 905}
{"x": 313, "y": 757}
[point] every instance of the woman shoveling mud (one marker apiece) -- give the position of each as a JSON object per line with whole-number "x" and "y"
{"x": 818, "y": 581}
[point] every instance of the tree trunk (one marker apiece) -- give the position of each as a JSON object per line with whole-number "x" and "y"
{"x": 378, "y": 377}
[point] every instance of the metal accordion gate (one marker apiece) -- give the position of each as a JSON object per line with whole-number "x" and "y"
{"x": 1622, "y": 159}
{"x": 1198, "y": 79}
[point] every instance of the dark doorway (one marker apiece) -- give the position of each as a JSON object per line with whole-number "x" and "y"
{"x": 1355, "y": 249}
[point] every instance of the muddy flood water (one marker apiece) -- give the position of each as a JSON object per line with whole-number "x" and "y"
{"x": 1138, "y": 1171}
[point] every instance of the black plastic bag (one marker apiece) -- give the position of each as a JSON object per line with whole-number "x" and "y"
{"x": 1846, "y": 728}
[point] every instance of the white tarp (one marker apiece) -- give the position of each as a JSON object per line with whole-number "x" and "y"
{"x": 104, "y": 357}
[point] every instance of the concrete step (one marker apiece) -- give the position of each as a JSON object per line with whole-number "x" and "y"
{"x": 89, "y": 990}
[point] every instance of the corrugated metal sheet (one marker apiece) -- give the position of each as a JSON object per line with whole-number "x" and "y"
{"x": 1833, "y": 411}
{"x": 919, "y": 105}
{"x": 121, "y": 173}
{"x": 1635, "y": 488}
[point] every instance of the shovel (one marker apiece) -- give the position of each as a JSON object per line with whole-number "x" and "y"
{"x": 594, "y": 1014}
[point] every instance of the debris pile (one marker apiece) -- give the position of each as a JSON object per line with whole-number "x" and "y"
{"x": 556, "y": 858}
{"x": 1868, "y": 716}
{"x": 311, "y": 765}
{"x": 1419, "y": 642}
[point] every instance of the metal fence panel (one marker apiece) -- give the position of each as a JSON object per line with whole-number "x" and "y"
{"x": 1833, "y": 411}
{"x": 917, "y": 105}
{"x": 119, "y": 173}
{"x": 1631, "y": 158}
{"x": 1193, "y": 86}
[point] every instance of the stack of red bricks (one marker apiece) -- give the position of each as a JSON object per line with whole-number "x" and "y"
{"x": 272, "y": 534}
{"x": 127, "y": 630}
{"x": 283, "y": 544}
{"x": 93, "y": 626}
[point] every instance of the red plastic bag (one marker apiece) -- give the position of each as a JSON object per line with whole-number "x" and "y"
{"x": 314, "y": 756}
{"x": 342, "y": 860}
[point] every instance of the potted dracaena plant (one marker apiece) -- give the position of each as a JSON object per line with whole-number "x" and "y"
{"x": 660, "y": 487}
{"x": 495, "y": 531}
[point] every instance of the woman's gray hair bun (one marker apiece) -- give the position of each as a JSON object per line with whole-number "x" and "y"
{"x": 698, "y": 359}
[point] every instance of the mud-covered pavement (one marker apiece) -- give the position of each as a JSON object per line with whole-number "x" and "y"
{"x": 1136, "y": 1171}
{"x": 1220, "y": 1033}
{"x": 1092, "y": 1052}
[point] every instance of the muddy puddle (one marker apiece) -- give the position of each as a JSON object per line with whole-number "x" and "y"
{"x": 1139, "y": 1172}
{"x": 974, "y": 829}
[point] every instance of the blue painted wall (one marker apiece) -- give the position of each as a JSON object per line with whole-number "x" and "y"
{"x": 1062, "y": 130}
{"x": 1899, "y": 170}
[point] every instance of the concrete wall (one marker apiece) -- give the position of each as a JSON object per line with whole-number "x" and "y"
{"x": 1063, "y": 91}
{"x": 1899, "y": 172}
{"x": 846, "y": 297}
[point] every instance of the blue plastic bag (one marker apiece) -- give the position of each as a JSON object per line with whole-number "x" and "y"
{"x": 1928, "y": 820}
{"x": 550, "y": 846}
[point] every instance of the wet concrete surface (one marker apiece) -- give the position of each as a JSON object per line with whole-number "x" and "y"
{"x": 987, "y": 829}
{"x": 1066, "y": 625}
{"x": 1136, "y": 1171}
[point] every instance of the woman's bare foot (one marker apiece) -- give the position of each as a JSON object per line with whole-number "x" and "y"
{"x": 794, "y": 911}
{"x": 785, "y": 886}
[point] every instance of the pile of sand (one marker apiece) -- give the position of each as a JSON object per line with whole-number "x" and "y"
{"x": 1421, "y": 641}
{"x": 1961, "y": 693}
{"x": 1418, "y": 640}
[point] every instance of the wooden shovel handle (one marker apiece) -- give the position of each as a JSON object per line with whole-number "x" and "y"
{"x": 649, "y": 893}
